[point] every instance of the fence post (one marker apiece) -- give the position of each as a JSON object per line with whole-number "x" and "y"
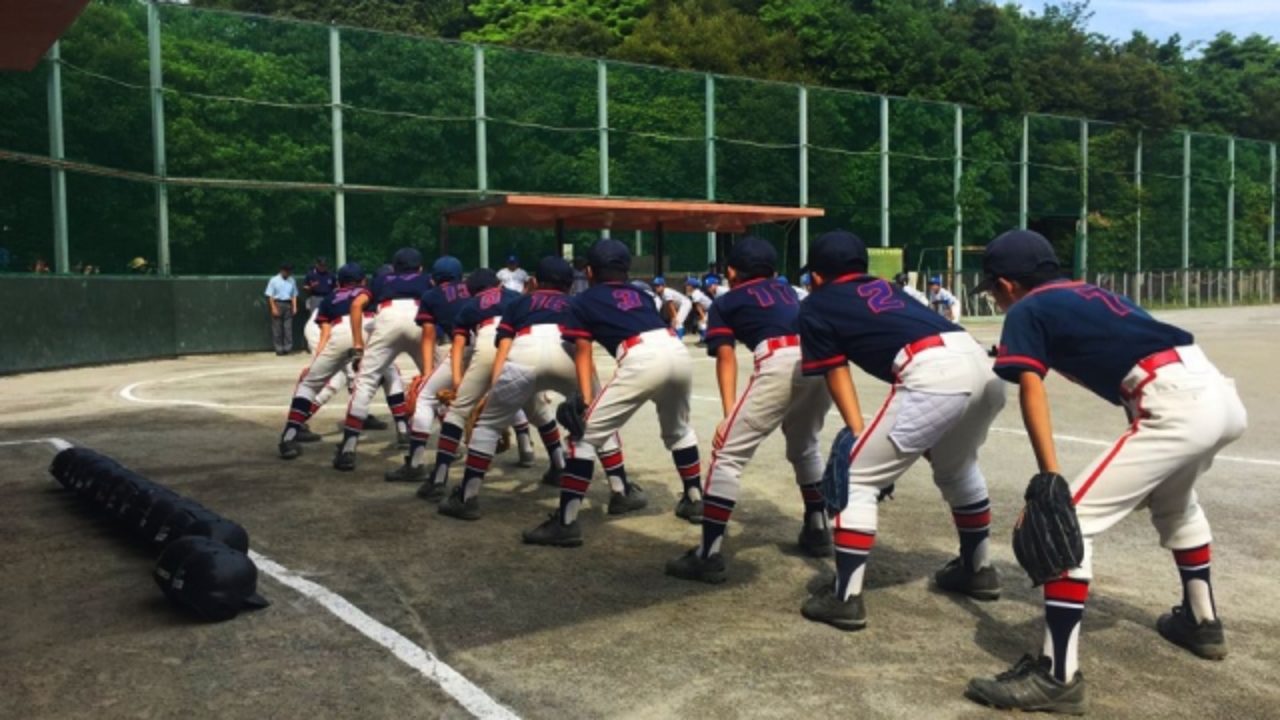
{"x": 161, "y": 169}
{"x": 804, "y": 174}
{"x": 1137, "y": 234}
{"x": 1231, "y": 219}
{"x": 1082, "y": 252}
{"x": 1023, "y": 180}
{"x": 61, "y": 253}
{"x": 602, "y": 120}
{"x": 1186, "y": 216}
{"x": 884, "y": 171}
{"x": 339, "y": 166}
{"x": 1271, "y": 231}
{"x": 957, "y": 174}
{"x": 482, "y": 149}
{"x": 709, "y": 132}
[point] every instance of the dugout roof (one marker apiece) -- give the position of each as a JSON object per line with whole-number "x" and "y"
{"x": 580, "y": 213}
{"x": 29, "y": 27}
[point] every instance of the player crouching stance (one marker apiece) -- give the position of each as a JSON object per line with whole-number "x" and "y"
{"x": 653, "y": 365}
{"x": 942, "y": 400}
{"x": 1182, "y": 412}
{"x": 761, "y": 312}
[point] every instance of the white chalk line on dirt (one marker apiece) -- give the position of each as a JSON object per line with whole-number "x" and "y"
{"x": 129, "y": 393}
{"x": 468, "y": 694}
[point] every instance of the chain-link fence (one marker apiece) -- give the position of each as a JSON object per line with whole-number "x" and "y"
{"x": 208, "y": 142}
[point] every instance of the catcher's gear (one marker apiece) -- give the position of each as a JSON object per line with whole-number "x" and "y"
{"x": 1046, "y": 538}
{"x": 835, "y": 477}
{"x": 446, "y": 397}
{"x": 412, "y": 392}
{"x": 572, "y": 415}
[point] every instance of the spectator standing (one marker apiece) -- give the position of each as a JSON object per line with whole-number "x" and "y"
{"x": 513, "y": 277}
{"x": 942, "y": 301}
{"x": 318, "y": 283}
{"x": 282, "y": 300}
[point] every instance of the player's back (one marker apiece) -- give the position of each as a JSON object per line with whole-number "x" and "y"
{"x": 440, "y": 305}
{"x": 610, "y": 313}
{"x": 399, "y": 286}
{"x": 337, "y": 304}
{"x": 540, "y": 307}
{"x": 755, "y": 311}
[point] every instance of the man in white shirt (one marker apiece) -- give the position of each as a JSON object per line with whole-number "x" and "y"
{"x": 513, "y": 277}
{"x": 904, "y": 282}
{"x": 677, "y": 305}
{"x": 942, "y": 301}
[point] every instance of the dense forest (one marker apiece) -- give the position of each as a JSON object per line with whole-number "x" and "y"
{"x": 248, "y": 98}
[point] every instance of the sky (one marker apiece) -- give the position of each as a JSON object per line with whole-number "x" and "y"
{"x": 1192, "y": 19}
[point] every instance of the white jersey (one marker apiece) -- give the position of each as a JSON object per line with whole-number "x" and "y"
{"x": 722, "y": 290}
{"x": 701, "y": 299}
{"x": 945, "y": 304}
{"x": 915, "y": 294}
{"x": 683, "y": 305}
{"x": 513, "y": 279}
{"x": 801, "y": 293}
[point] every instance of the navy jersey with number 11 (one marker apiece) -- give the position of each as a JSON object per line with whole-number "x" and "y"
{"x": 865, "y": 320}
{"x": 540, "y": 307}
{"x": 751, "y": 313}
{"x": 610, "y": 313}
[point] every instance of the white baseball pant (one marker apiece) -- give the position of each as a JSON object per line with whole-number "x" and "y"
{"x": 395, "y": 332}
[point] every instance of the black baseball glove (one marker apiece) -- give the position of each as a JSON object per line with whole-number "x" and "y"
{"x": 572, "y": 415}
{"x": 1046, "y": 538}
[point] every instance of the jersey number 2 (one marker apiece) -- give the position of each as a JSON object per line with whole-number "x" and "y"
{"x": 879, "y": 296}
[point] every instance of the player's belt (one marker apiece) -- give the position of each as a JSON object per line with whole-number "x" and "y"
{"x": 1149, "y": 365}
{"x": 530, "y": 329}
{"x": 774, "y": 344}
{"x": 635, "y": 340}
{"x": 910, "y": 350}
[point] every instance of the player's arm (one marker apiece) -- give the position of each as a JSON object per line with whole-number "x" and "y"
{"x": 455, "y": 357}
{"x": 428, "y": 348}
{"x": 357, "y": 321}
{"x": 326, "y": 330}
{"x": 727, "y": 377}
{"x": 845, "y": 397}
{"x": 585, "y": 366}
{"x": 1035, "y": 417}
{"x": 500, "y": 359}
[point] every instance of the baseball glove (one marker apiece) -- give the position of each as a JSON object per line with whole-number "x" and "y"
{"x": 572, "y": 415}
{"x": 835, "y": 477}
{"x": 412, "y": 392}
{"x": 446, "y": 397}
{"x": 1046, "y": 538}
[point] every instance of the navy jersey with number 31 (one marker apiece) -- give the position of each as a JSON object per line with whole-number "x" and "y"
{"x": 751, "y": 313}
{"x": 610, "y": 313}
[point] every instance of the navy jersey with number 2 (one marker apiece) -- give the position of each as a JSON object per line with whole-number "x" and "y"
{"x": 1091, "y": 336}
{"x": 609, "y": 313}
{"x": 751, "y": 313}
{"x": 864, "y": 320}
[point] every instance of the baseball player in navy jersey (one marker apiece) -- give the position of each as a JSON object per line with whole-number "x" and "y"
{"x": 760, "y": 312}
{"x": 675, "y": 304}
{"x": 394, "y": 333}
{"x": 531, "y": 360}
{"x": 1182, "y": 411}
{"x": 346, "y": 377}
{"x": 330, "y": 362}
{"x": 942, "y": 400}
{"x": 653, "y": 365}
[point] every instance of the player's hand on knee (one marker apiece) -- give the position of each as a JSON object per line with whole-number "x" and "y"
{"x": 446, "y": 397}
{"x": 722, "y": 430}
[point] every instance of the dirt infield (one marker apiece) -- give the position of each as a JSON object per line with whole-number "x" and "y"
{"x": 597, "y": 631}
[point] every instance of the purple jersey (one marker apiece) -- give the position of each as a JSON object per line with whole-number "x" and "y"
{"x": 610, "y": 313}
{"x": 488, "y": 305}
{"x": 865, "y": 320}
{"x": 1091, "y": 336}
{"x": 395, "y": 286}
{"x": 319, "y": 283}
{"x": 440, "y": 305}
{"x": 752, "y": 312}
{"x": 540, "y": 307}
{"x": 338, "y": 304}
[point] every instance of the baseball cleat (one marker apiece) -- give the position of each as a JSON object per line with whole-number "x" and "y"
{"x": 555, "y": 534}
{"x": 373, "y": 423}
{"x": 1206, "y": 639}
{"x": 633, "y": 499}
{"x": 290, "y": 450}
{"x": 402, "y": 439}
{"x": 825, "y": 607}
{"x": 815, "y": 541}
{"x": 526, "y": 458}
{"x": 954, "y": 577}
{"x": 432, "y": 491}
{"x": 344, "y": 461}
{"x": 304, "y": 435}
{"x": 1031, "y": 687}
{"x": 690, "y": 510}
{"x": 455, "y": 506}
{"x": 552, "y": 476}
{"x": 692, "y": 566}
{"x": 407, "y": 473}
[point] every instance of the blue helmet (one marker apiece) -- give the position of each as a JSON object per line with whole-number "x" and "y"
{"x": 710, "y": 280}
{"x": 406, "y": 260}
{"x": 446, "y": 268}
{"x": 659, "y": 281}
{"x": 783, "y": 279}
{"x": 935, "y": 280}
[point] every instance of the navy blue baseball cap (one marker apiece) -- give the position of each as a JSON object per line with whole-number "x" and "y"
{"x": 446, "y": 268}
{"x": 350, "y": 273}
{"x": 554, "y": 271}
{"x": 406, "y": 259}
{"x": 837, "y": 253}
{"x": 753, "y": 256}
{"x": 480, "y": 280}
{"x": 609, "y": 254}
{"x": 1015, "y": 254}
{"x": 513, "y": 259}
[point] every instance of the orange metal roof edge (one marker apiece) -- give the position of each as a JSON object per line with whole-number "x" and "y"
{"x": 492, "y": 210}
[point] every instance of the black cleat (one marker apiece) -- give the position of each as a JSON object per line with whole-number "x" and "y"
{"x": 373, "y": 423}
{"x": 825, "y": 607}
{"x": 552, "y": 476}
{"x": 407, "y": 473}
{"x": 690, "y": 510}
{"x": 816, "y": 541}
{"x": 304, "y": 435}
{"x": 455, "y": 506}
{"x": 1030, "y": 686}
{"x": 402, "y": 439}
{"x": 432, "y": 491}
{"x": 954, "y": 577}
{"x": 1206, "y": 639}
{"x": 823, "y": 582}
{"x": 554, "y": 534}
{"x": 633, "y": 499}
{"x": 344, "y": 461}
{"x": 290, "y": 450}
{"x": 692, "y": 566}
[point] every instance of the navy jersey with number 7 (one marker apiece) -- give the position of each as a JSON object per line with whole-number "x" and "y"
{"x": 610, "y": 313}
{"x": 751, "y": 313}
{"x": 864, "y": 320}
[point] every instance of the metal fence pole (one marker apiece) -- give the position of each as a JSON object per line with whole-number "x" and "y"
{"x": 1186, "y": 215}
{"x": 957, "y": 242}
{"x": 339, "y": 169}
{"x": 1271, "y": 231}
{"x": 1023, "y": 180}
{"x": 1137, "y": 216}
{"x": 709, "y": 133}
{"x": 1231, "y": 219}
{"x": 602, "y": 120}
{"x": 803, "y": 101}
{"x": 157, "y": 139}
{"x": 1082, "y": 256}
{"x": 482, "y": 149}
{"x": 884, "y": 171}
{"x": 61, "y": 252}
